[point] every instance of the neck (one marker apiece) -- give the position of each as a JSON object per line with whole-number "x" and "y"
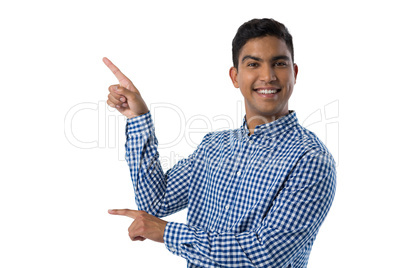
{"x": 254, "y": 121}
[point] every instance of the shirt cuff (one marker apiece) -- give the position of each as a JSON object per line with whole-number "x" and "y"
{"x": 140, "y": 125}
{"x": 175, "y": 235}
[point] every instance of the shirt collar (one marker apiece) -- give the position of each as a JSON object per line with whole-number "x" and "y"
{"x": 271, "y": 129}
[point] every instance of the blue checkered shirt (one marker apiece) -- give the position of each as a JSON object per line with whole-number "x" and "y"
{"x": 253, "y": 200}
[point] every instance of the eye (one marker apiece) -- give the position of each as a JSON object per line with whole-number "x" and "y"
{"x": 252, "y": 64}
{"x": 280, "y": 64}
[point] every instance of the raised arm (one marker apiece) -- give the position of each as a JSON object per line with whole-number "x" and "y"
{"x": 156, "y": 193}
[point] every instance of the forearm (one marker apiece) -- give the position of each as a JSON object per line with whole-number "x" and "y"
{"x": 206, "y": 249}
{"x": 147, "y": 176}
{"x": 156, "y": 192}
{"x": 247, "y": 249}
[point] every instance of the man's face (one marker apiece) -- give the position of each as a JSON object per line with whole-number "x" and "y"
{"x": 266, "y": 76}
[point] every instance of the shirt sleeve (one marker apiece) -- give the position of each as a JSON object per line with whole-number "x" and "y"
{"x": 290, "y": 224}
{"x": 156, "y": 192}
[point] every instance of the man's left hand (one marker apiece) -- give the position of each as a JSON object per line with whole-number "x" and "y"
{"x": 144, "y": 226}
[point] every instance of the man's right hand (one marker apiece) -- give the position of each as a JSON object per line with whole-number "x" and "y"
{"x": 125, "y": 97}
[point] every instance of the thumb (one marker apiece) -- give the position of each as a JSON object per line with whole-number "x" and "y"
{"x": 130, "y": 95}
{"x": 136, "y": 105}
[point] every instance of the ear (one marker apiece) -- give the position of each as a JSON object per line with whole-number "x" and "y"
{"x": 233, "y": 76}
{"x": 295, "y": 70}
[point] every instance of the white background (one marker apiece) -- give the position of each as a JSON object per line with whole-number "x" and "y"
{"x": 54, "y": 194}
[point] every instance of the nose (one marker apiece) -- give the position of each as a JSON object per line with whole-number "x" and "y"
{"x": 267, "y": 74}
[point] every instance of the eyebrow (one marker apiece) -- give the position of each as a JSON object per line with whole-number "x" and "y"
{"x": 251, "y": 57}
{"x": 280, "y": 57}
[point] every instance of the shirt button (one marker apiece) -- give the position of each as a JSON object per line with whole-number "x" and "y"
{"x": 251, "y": 142}
{"x": 227, "y": 207}
{"x": 238, "y": 173}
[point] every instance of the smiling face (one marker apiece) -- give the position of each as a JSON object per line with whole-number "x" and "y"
{"x": 266, "y": 76}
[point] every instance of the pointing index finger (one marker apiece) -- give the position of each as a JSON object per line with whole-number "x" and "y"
{"x": 124, "y": 212}
{"x": 123, "y": 80}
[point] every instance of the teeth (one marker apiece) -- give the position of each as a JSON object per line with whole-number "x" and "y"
{"x": 267, "y": 91}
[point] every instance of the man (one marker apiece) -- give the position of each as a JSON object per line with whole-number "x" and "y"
{"x": 257, "y": 195}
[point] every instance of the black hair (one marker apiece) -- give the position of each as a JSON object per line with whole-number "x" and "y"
{"x": 259, "y": 28}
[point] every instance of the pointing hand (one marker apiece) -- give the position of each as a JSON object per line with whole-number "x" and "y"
{"x": 144, "y": 226}
{"x": 125, "y": 97}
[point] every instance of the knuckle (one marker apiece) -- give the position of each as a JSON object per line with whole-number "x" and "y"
{"x": 141, "y": 224}
{"x": 110, "y": 103}
{"x": 141, "y": 230}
